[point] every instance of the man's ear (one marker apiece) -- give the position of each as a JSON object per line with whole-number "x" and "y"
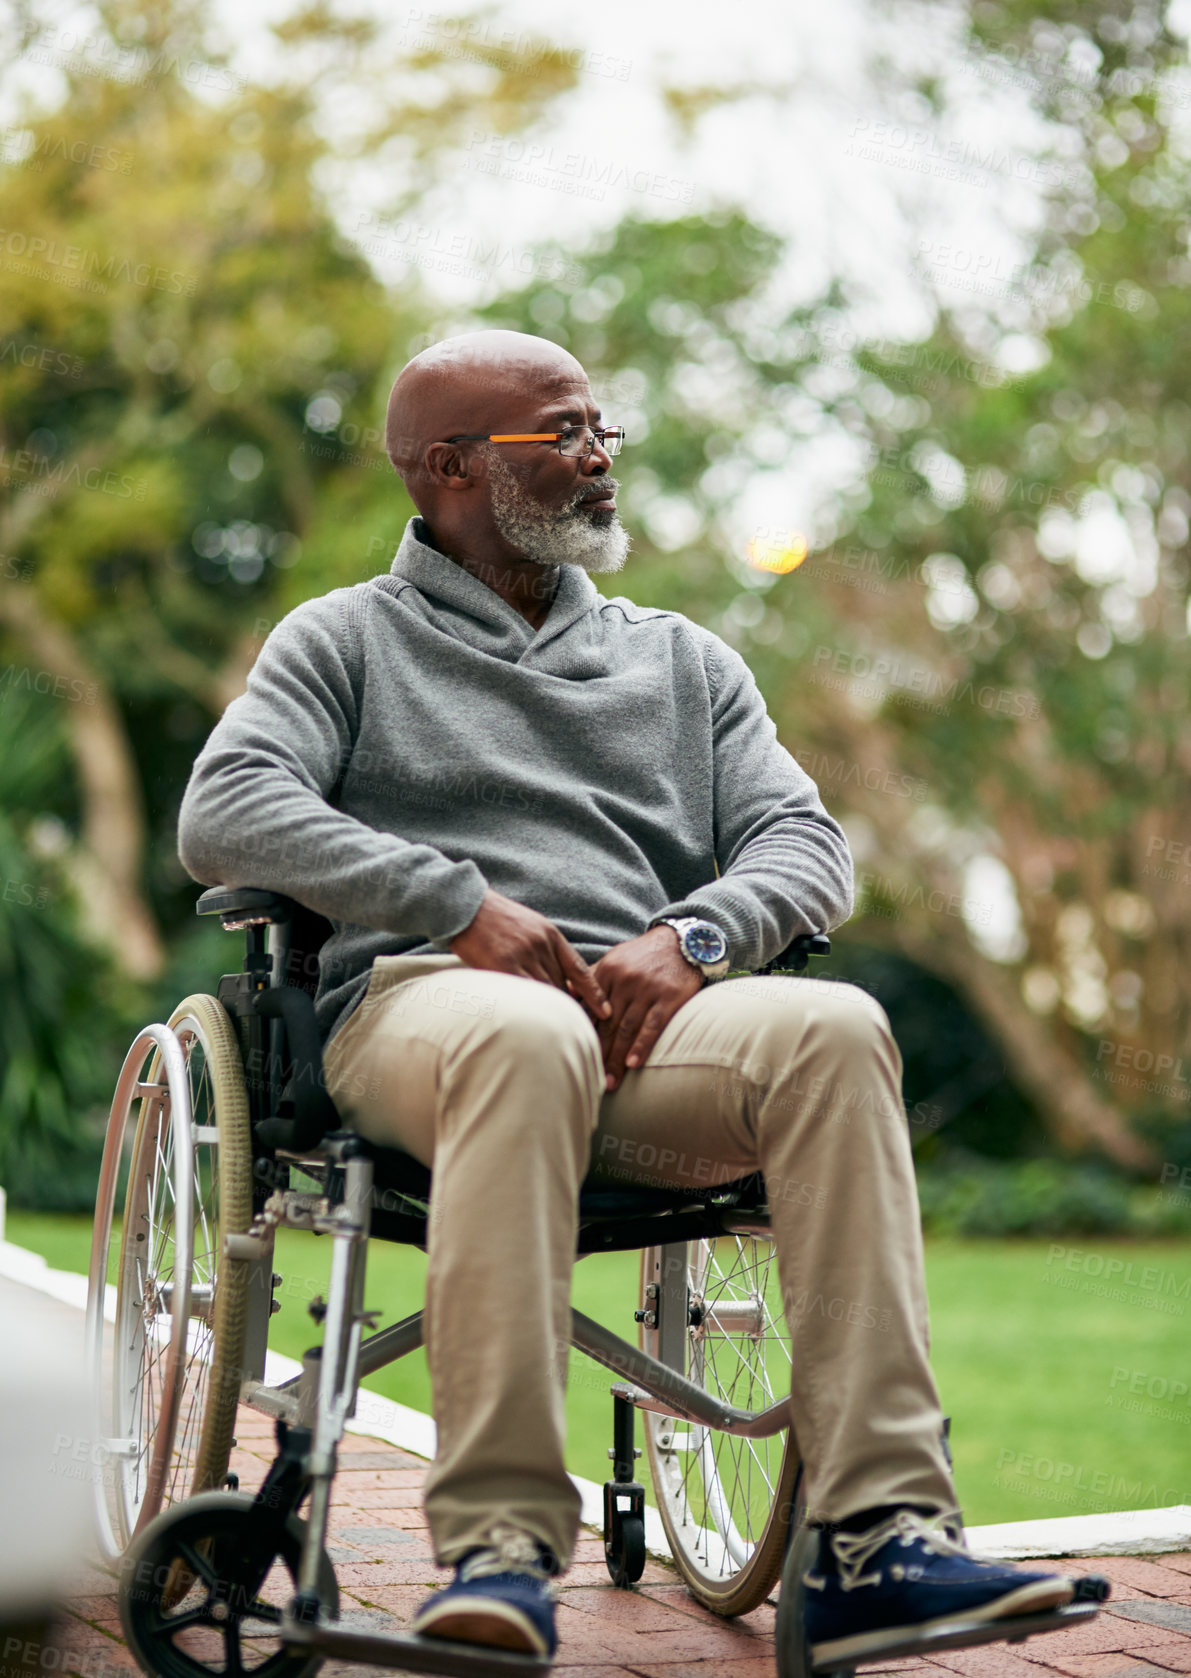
{"x": 451, "y": 467}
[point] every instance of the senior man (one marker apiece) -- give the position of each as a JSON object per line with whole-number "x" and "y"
{"x": 578, "y": 808}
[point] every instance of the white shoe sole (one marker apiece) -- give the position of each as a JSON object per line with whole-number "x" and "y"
{"x": 1030, "y": 1599}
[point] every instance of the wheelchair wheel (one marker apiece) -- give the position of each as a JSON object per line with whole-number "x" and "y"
{"x": 166, "y": 1373}
{"x": 790, "y": 1644}
{"x": 726, "y": 1502}
{"x": 198, "y": 1596}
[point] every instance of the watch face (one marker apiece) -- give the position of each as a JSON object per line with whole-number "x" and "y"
{"x": 706, "y": 943}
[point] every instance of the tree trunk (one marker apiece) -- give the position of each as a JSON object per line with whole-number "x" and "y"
{"x": 1043, "y": 1065}
{"x": 112, "y": 842}
{"x": 1055, "y": 1082}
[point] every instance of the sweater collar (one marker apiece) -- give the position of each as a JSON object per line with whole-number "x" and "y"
{"x": 501, "y": 627}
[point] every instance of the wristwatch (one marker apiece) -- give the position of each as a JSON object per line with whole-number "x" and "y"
{"x": 702, "y": 943}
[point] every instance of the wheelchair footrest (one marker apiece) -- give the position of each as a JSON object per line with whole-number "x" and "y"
{"x": 403, "y": 1652}
{"x": 897, "y": 1643}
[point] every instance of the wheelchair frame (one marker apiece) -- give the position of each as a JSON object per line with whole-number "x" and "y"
{"x": 294, "y": 1126}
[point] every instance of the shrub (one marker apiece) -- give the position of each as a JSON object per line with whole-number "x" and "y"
{"x": 973, "y": 1196}
{"x": 63, "y": 1017}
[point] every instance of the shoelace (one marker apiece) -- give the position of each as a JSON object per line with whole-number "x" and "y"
{"x": 854, "y": 1549}
{"x": 511, "y": 1551}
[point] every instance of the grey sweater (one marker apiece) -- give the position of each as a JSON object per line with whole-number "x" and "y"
{"x": 407, "y": 742}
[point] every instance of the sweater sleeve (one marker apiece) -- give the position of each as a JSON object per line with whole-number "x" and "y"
{"x": 785, "y": 867}
{"x": 256, "y": 810}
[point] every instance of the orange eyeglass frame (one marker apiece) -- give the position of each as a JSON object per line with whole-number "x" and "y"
{"x": 603, "y": 432}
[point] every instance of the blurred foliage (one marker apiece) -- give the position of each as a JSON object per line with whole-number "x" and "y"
{"x": 982, "y": 662}
{"x": 1033, "y": 471}
{"x": 65, "y": 1010}
{"x": 959, "y": 1094}
{"x": 192, "y": 365}
{"x": 1016, "y": 1198}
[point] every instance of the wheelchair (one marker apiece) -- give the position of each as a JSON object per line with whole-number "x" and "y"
{"x": 221, "y": 1132}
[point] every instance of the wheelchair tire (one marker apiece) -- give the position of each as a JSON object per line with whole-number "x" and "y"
{"x": 627, "y": 1565}
{"x": 727, "y": 1503}
{"x": 167, "y": 1375}
{"x": 197, "y": 1599}
{"x": 791, "y": 1647}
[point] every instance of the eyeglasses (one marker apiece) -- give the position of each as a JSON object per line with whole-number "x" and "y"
{"x": 577, "y": 441}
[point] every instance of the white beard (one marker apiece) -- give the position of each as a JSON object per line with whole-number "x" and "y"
{"x": 568, "y": 536}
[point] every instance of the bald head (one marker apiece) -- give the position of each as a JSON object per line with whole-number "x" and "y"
{"x": 474, "y": 383}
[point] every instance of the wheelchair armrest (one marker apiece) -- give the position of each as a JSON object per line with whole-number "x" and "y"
{"x": 240, "y": 905}
{"x": 797, "y": 954}
{"x": 314, "y": 1111}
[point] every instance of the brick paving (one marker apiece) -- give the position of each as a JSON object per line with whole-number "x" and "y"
{"x": 381, "y": 1550}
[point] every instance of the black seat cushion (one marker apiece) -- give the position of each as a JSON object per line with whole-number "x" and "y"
{"x": 398, "y": 1173}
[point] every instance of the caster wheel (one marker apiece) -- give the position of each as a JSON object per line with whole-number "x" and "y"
{"x": 200, "y": 1599}
{"x": 627, "y": 1566}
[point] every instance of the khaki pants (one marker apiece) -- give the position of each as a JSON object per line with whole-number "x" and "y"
{"x": 498, "y": 1083}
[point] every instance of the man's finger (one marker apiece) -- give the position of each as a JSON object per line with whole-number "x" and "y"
{"x": 581, "y": 980}
{"x": 623, "y": 1034}
{"x": 654, "y": 1023}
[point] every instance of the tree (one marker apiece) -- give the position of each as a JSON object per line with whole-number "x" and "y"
{"x": 1037, "y": 526}
{"x": 193, "y": 362}
{"x": 983, "y": 662}
{"x": 981, "y": 658}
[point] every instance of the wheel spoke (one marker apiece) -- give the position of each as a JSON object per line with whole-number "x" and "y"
{"x": 210, "y": 1576}
{"x": 180, "y": 1454}
{"x": 201, "y": 1566}
{"x": 200, "y": 1616}
{"x": 173, "y": 1391}
{"x": 751, "y": 1446}
{"x": 719, "y": 1491}
{"x": 231, "y": 1642}
{"x": 165, "y": 1177}
{"x": 258, "y": 1610}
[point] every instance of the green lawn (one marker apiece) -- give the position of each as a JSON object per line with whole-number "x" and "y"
{"x": 1060, "y": 1363}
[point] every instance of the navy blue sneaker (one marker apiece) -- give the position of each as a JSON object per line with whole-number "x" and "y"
{"x": 501, "y": 1596}
{"x": 908, "y": 1574}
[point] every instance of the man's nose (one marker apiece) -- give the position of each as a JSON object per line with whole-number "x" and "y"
{"x": 599, "y": 460}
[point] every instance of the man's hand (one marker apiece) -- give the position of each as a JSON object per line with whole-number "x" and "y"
{"x": 648, "y": 979}
{"x": 506, "y": 937}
